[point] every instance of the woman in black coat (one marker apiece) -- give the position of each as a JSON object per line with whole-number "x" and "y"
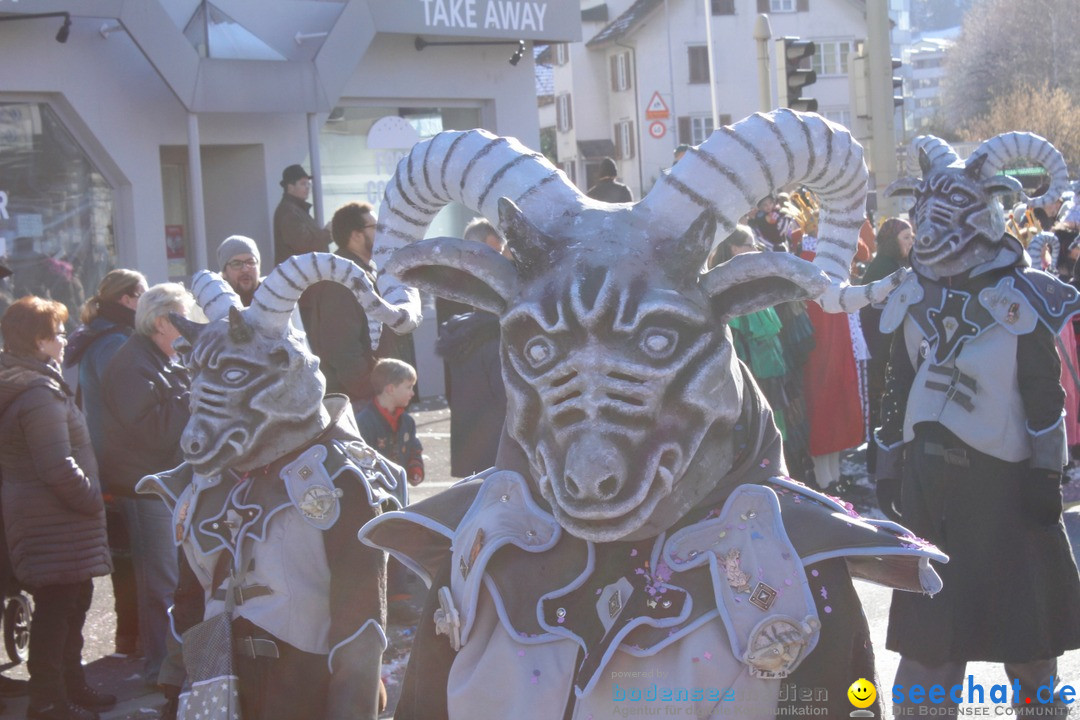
{"x": 54, "y": 515}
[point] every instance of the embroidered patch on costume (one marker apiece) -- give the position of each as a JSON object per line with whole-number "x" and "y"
{"x": 763, "y": 596}
{"x": 319, "y": 502}
{"x": 736, "y": 578}
{"x": 311, "y": 490}
{"x": 181, "y": 518}
{"x": 777, "y": 645}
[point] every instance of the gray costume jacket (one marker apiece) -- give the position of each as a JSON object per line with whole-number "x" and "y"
{"x": 288, "y": 531}
{"x": 54, "y": 517}
{"x": 714, "y": 616}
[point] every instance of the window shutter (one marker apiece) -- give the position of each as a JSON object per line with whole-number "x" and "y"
{"x": 629, "y": 70}
{"x": 763, "y": 6}
{"x": 614, "y": 71}
{"x": 723, "y": 7}
{"x": 569, "y": 112}
{"x": 618, "y": 141}
{"x": 630, "y": 138}
{"x": 802, "y": 5}
{"x": 684, "y": 129}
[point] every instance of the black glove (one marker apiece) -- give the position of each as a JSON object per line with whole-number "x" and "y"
{"x": 1042, "y": 497}
{"x": 172, "y": 702}
{"x": 888, "y": 497}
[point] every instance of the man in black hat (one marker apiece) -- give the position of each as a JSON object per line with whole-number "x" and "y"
{"x": 295, "y": 231}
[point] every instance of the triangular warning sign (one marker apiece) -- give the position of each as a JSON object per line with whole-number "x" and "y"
{"x": 657, "y": 109}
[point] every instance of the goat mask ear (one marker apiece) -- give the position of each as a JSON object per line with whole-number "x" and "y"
{"x": 462, "y": 270}
{"x": 754, "y": 281}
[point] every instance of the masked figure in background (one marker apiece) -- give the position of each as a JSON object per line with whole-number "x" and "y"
{"x": 275, "y": 485}
{"x": 972, "y": 443}
{"x": 637, "y": 540}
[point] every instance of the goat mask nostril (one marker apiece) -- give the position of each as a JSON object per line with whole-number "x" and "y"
{"x": 608, "y": 487}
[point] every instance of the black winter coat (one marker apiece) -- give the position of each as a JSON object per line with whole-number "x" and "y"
{"x": 54, "y": 516}
{"x": 146, "y": 409}
{"x": 469, "y": 345}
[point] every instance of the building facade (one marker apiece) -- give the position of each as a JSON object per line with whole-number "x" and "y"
{"x": 160, "y": 127}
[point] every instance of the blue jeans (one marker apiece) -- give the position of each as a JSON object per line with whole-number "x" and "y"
{"x": 153, "y": 554}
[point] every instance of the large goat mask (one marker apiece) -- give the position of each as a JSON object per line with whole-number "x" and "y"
{"x": 256, "y": 391}
{"x": 622, "y": 387}
{"x": 959, "y": 223}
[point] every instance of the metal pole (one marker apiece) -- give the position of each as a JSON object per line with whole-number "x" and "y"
{"x": 763, "y": 33}
{"x": 671, "y": 80}
{"x": 316, "y": 167}
{"x": 882, "y": 111}
{"x": 195, "y": 196}
{"x": 712, "y": 74}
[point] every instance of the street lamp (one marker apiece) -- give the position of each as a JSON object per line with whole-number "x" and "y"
{"x": 420, "y": 43}
{"x": 62, "y": 33}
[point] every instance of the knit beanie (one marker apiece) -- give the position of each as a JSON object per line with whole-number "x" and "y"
{"x": 235, "y": 245}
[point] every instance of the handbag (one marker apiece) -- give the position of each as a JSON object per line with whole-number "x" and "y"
{"x": 212, "y": 689}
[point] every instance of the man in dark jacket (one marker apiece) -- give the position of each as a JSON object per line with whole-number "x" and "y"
{"x": 336, "y": 325}
{"x": 607, "y": 188}
{"x": 146, "y": 408}
{"x": 469, "y": 345}
{"x": 295, "y": 231}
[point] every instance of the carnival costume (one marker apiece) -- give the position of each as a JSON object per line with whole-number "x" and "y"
{"x": 636, "y": 546}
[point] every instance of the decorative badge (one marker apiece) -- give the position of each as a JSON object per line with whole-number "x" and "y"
{"x": 763, "y": 596}
{"x": 181, "y": 517}
{"x": 777, "y": 646}
{"x": 319, "y": 501}
{"x": 736, "y": 578}
{"x": 1013, "y": 313}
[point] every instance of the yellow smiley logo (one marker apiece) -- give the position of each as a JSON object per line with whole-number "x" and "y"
{"x": 862, "y": 693}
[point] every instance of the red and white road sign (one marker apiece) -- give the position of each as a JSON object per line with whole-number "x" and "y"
{"x": 657, "y": 109}
{"x": 657, "y": 129}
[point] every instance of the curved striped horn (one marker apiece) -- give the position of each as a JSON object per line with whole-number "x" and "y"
{"x": 938, "y": 152}
{"x": 740, "y": 164}
{"x": 1008, "y": 147}
{"x": 275, "y": 298}
{"x": 214, "y": 295}
{"x": 474, "y": 168}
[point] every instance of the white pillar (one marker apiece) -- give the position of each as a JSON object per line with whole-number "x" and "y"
{"x": 316, "y": 167}
{"x": 196, "y": 209}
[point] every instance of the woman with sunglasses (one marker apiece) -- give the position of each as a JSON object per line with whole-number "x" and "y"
{"x": 54, "y": 516}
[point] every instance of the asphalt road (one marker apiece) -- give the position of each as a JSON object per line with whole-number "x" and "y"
{"x": 122, "y": 676}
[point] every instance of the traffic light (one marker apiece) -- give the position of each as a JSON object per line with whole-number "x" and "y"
{"x": 791, "y": 80}
{"x": 897, "y": 84}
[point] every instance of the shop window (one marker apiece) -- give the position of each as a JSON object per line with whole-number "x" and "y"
{"x": 621, "y": 72}
{"x": 56, "y": 210}
{"x": 360, "y": 148}
{"x": 624, "y": 140}
{"x": 781, "y": 6}
{"x": 564, "y": 114}
{"x": 696, "y": 129}
{"x": 562, "y": 53}
{"x": 831, "y": 58}
{"x": 698, "y": 57}
{"x": 723, "y": 7}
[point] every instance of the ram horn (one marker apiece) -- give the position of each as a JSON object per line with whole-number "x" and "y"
{"x": 276, "y": 297}
{"x": 214, "y": 295}
{"x": 474, "y": 168}
{"x": 936, "y": 152}
{"x": 738, "y": 165}
{"x": 1009, "y": 147}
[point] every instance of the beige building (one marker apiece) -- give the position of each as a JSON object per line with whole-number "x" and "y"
{"x": 159, "y": 127}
